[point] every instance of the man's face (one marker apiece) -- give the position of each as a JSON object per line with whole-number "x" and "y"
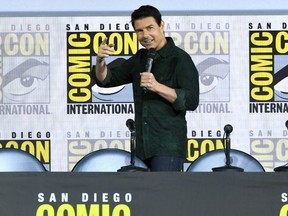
{"x": 149, "y": 33}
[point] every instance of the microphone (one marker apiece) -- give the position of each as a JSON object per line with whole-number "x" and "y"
{"x": 227, "y": 150}
{"x": 132, "y": 167}
{"x": 228, "y": 129}
{"x": 150, "y": 58}
{"x": 131, "y": 125}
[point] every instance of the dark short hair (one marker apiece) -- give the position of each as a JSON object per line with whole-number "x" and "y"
{"x": 146, "y": 11}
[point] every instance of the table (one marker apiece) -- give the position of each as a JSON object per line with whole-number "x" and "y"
{"x": 144, "y": 194}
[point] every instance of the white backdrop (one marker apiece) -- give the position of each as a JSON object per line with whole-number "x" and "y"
{"x": 50, "y": 108}
{"x": 104, "y": 7}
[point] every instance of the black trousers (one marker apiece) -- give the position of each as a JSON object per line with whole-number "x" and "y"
{"x": 165, "y": 163}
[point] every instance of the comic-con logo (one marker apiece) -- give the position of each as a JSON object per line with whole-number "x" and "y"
{"x": 24, "y": 71}
{"x": 105, "y": 204}
{"x": 84, "y": 96}
{"x": 78, "y": 148}
{"x": 210, "y": 53}
{"x": 270, "y": 152}
{"x": 268, "y": 71}
{"x": 38, "y": 145}
{"x": 200, "y": 146}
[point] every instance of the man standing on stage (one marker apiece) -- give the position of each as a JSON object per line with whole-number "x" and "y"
{"x": 161, "y": 94}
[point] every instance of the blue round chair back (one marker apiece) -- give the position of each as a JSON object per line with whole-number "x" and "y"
{"x": 106, "y": 160}
{"x": 217, "y": 158}
{"x": 15, "y": 160}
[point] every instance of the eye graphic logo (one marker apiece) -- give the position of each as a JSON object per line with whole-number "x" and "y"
{"x": 214, "y": 79}
{"x": 281, "y": 79}
{"x": 27, "y": 83}
{"x": 117, "y": 94}
{"x": 268, "y": 72}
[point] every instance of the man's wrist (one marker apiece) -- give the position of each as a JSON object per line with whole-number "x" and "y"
{"x": 99, "y": 60}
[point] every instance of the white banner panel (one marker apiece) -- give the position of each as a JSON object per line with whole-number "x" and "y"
{"x": 51, "y": 108}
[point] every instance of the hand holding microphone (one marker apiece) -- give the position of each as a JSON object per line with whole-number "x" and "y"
{"x": 148, "y": 80}
{"x": 150, "y": 58}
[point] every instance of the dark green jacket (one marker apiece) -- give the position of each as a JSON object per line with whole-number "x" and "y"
{"x": 160, "y": 126}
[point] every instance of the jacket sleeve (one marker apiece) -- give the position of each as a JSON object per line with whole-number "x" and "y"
{"x": 188, "y": 85}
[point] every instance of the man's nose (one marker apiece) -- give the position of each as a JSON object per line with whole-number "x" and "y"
{"x": 145, "y": 33}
